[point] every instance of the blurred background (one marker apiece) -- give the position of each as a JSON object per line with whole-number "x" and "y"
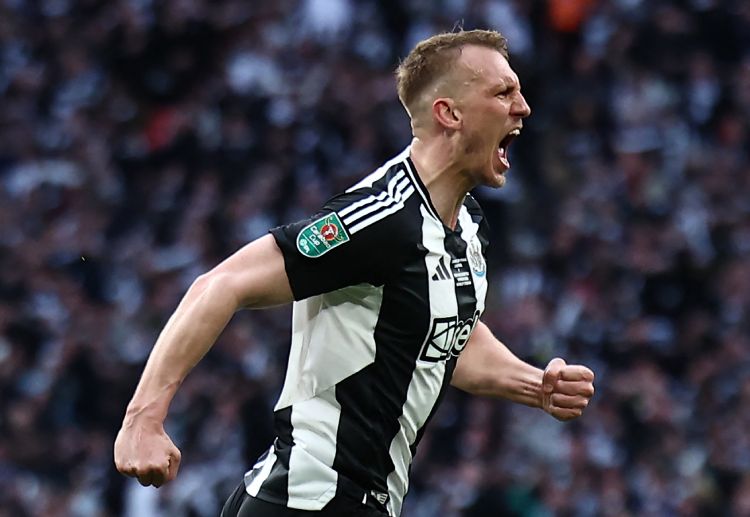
{"x": 141, "y": 142}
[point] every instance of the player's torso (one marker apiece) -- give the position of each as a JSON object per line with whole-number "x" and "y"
{"x": 426, "y": 312}
{"x": 440, "y": 293}
{"x": 370, "y": 361}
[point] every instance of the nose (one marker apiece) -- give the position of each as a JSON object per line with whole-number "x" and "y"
{"x": 520, "y": 107}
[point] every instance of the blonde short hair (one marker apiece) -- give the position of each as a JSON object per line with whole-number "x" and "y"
{"x": 434, "y": 57}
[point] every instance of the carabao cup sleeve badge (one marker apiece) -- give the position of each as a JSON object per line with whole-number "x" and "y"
{"x": 321, "y": 236}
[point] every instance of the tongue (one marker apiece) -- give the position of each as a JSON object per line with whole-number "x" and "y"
{"x": 503, "y": 158}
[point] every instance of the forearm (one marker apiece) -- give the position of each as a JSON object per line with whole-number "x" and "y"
{"x": 514, "y": 380}
{"x": 487, "y": 367}
{"x": 252, "y": 277}
{"x": 190, "y": 332}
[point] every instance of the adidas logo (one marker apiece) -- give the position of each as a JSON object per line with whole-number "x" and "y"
{"x": 441, "y": 271}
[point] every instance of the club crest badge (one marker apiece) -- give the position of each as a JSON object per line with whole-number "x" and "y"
{"x": 475, "y": 258}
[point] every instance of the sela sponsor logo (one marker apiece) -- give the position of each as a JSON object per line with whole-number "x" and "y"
{"x": 321, "y": 236}
{"x": 448, "y": 337}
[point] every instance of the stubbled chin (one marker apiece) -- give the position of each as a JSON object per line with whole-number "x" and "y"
{"x": 497, "y": 176}
{"x": 499, "y": 181}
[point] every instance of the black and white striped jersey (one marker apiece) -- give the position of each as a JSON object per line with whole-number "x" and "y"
{"x": 387, "y": 299}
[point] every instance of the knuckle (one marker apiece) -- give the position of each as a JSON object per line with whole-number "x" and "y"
{"x": 152, "y": 468}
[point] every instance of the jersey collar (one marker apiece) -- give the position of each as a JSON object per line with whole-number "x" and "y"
{"x": 411, "y": 171}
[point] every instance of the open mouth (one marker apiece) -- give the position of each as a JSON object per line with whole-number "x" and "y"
{"x": 502, "y": 148}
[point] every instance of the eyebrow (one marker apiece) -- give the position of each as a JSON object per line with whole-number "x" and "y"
{"x": 507, "y": 82}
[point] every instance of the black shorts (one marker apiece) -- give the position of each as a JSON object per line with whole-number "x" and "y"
{"x": 241, "y": 504}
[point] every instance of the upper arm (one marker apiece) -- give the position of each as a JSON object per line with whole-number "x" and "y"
{"x": 348, "y": 242}
{"x": 255, "y": 275}
{"x": 343, "y": 244}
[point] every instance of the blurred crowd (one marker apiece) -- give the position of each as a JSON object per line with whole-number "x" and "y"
{"x": 143, "y": 141}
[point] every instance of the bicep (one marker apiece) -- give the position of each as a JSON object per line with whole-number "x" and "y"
{"x": 256, "y": 275}
{"x": 317, "y": 264}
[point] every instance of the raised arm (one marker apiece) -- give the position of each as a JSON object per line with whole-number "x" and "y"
{"x": 487, "y": 367}
{"x": 253, "y": 277}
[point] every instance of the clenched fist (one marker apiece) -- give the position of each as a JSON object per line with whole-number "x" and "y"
{"x": 144, "y": 451}
{"x": 566, "y": 389}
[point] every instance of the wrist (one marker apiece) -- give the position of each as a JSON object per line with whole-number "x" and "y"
{"x": 524, "y": 385}
{"x": 151, "y": 402}
{"x": 150, "y": 410}
{"x": 143, "y": 416}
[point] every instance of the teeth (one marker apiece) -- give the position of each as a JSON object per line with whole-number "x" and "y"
{"x": 515, "y": 132}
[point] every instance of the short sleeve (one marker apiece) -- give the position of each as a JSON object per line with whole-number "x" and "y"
{"x": 324, "y": 252}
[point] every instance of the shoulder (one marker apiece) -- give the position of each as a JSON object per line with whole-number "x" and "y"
{"x": 380, "y": 203}
{"x": 472, "y": 205}
{"x": 384, "y": 173}
{"x": 476, "y": 215}
{"x": 474, "y": 209}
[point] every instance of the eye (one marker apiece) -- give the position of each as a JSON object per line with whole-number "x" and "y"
{"x": 504, "y": 92}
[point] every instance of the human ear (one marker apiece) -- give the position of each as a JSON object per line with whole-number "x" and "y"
{"x": 446, "y": 113}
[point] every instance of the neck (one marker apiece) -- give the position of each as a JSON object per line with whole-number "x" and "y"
{"x": 438, "y": 168}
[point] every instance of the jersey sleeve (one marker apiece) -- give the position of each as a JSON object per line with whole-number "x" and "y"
{"x": 343, "y": 244}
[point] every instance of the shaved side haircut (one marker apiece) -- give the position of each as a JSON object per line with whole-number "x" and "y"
{"x": 434, "y": 57}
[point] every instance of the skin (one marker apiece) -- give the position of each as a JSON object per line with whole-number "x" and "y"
{"x": 457, "y": 125}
